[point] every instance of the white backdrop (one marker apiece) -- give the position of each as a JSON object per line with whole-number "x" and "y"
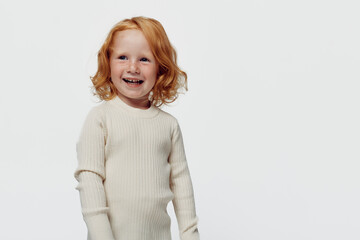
{"x": 270, "y": 121}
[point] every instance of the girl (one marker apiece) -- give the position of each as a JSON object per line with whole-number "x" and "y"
{"x": 131, "y": 159}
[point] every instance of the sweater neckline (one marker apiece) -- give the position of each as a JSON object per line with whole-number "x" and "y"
{"x": 150, "y": 112}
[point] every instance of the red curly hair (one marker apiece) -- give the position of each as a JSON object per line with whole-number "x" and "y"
{"x": 170, "y": 77}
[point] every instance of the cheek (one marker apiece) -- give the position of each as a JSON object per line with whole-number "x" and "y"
{"x": 151, "y": 72}
{"x": 116, "y": 69}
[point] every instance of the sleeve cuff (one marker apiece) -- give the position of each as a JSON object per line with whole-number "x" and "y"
{"x": 99, "y": 227}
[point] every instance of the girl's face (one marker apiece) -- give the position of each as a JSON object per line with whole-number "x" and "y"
{"x": 133, "y": 67}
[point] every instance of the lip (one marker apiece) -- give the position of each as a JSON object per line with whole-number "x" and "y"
{"x": 132, "y": 85}
{"x": 130, "y": 78}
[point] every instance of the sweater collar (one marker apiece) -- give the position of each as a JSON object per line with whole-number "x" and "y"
{"x": 151, "y": 112}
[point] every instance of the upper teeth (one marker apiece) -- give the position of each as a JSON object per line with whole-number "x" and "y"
{"x": 131, "y": 80}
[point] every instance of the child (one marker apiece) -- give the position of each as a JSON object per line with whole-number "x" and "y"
{"x": 131, "y": 158}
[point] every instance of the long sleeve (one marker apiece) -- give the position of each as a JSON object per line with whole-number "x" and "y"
{"x": 181, "y": 186}
{"x": 90, "y": 174}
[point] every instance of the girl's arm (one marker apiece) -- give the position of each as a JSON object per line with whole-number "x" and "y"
{"x": 90, "y": 174}
{"x": 181, "y": 186}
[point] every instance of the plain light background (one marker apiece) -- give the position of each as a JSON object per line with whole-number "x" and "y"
{"x": 270, "y": 121}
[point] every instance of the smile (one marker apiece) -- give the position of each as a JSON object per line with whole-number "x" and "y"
{"x": 133, "y": 81}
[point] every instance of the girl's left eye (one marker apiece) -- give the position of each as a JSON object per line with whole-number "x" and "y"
{"x": 144, "y": 59}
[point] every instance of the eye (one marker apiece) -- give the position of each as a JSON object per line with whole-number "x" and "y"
{"x": 144, "y": 59}
{"x": 122, "y": 57}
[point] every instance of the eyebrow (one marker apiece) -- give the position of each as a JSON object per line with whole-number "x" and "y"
{"x": 147, "y": 55}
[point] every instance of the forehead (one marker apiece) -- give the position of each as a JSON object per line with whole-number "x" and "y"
{"x": 130, "y": 40}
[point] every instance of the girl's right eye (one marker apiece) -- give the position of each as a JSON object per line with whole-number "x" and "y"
{"x": 122, "y": 57}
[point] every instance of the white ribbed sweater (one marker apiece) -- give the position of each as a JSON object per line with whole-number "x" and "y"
{"x": 131, "y": 163}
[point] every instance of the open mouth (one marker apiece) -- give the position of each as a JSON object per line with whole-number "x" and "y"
{"x": 133, "y": 81}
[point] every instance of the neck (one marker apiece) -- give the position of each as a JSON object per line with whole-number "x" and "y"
{"x": 136, "y": 103}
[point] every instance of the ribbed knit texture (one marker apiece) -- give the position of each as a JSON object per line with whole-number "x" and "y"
{"x": 131, "y": 163}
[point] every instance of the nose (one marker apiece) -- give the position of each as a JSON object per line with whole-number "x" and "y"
{"x": 133, "y": 67}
